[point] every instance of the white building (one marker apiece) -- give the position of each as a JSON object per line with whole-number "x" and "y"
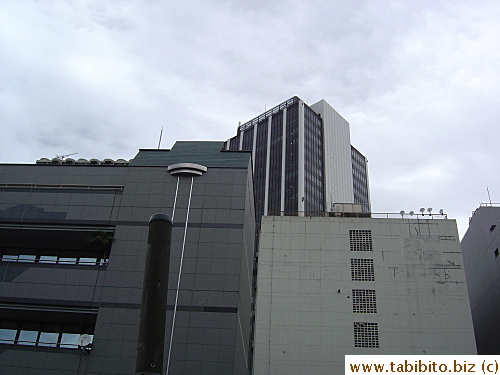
{"x": 331, "y": 286}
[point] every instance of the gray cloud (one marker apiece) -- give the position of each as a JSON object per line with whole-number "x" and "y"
{"x": 417, "y": 81}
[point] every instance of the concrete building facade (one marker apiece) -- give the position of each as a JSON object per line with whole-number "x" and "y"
{"x": 331, "y": 286}
{"x": 73, "y": 244}
{"x": 480, "y": 248}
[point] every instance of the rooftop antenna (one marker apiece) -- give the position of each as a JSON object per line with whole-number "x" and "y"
{"x": 159, "y": 141}
{"x": 488, "y": 190}
{"x": 62, "y": 157}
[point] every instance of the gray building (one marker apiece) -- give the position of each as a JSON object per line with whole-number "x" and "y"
{"x": 333, "y": 286}
{"x": 303, "y": 159}
{"x": 480, "y": 248}
{"x": 73, "y": 243}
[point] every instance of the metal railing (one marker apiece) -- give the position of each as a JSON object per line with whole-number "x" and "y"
{"x": 52, "y": 344}
{"x": 483, "y": 205}
{"x": 268, "y": 113}
{"x": 386, "y": 215}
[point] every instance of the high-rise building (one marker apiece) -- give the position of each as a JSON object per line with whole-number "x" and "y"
{"x": 480, "y": 248}
{"x": 332, "y": 286}
{"x": 72, "y": 251}
{"x": 303, "y": 160}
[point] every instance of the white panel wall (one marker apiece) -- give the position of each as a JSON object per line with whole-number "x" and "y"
{"x": 337, "y": 149}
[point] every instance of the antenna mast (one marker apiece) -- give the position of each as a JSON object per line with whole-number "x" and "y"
{"x": 159, "y": 141}
{"x": 65, "y": 156}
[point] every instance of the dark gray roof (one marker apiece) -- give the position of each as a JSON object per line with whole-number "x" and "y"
{"x": 209, "y": 154}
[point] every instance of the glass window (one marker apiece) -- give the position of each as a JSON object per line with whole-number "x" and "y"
{"x": 48, "y": 259}
{"x": 48, "y": 339}
{"x": 27, "y": 258}
{"x": 88, "y": 261}
{"x": 49, "y": 335}
{"x": 8, "y": 332}
{"x": 7, "y": 336}
{"x": 67, "y": 260}
{"x": 69, "y": 340}
{"x": 53, "y": 256}
{"x": 69, "y": 257}
{"x": 43, "y": 334}
{"x": 27, "y": 337}
{"x": 9, "y": 258}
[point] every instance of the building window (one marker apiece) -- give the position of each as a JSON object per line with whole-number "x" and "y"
{"x": 366, "y": 335}
{"x": 496, "y": 252}
{"x": 45, "y": 326}
{"x": 360, "y": 240}
{"x": 364, "y": 301}
{"x": 54, "y": 256}
{"x": 56, "y": 245}
{"x": 362, "y": 270}
{"x": 43, "y": 334}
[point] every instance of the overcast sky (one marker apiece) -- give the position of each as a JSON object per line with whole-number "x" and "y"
{"x": 418, "y": 82}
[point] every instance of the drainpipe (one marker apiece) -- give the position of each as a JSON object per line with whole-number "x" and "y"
{"x": 150, "y": 345}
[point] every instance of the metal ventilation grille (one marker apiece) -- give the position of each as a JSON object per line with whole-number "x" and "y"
{"x": 362, "y": 270}
{"x": 364, "y": 301}
{"x": 366, "y": 335}
{"x": 360, "y": 240}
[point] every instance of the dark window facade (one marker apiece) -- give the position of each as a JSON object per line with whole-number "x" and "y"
{"x": 54, "y": 256}
{"x": 248, "y": 140}
{"x": 360, "y": 179}
{"x": 292, "y": 161}
{"x": 313, "y": 159}
{"x": 275, "y": 163}
{"x": 43, "y": 334}
{"x": 260, "y": 168}
{"x": 61, "y": 246}
{"x": 234, "y": 143}
{"x": 45, "y": 326}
